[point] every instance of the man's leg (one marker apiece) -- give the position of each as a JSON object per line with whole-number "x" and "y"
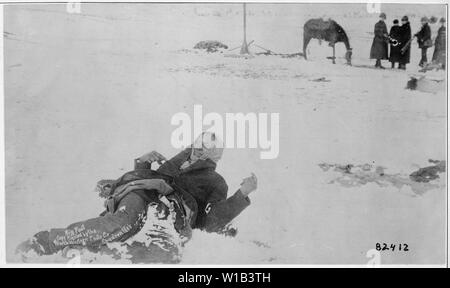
{"x": 378, "y": 63}
{"x": 117, "y": 226}
{"x": 160, "y": 240}
{"x": 424, "y": 59}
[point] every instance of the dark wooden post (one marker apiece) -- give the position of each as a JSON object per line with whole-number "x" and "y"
{"x": 244, "y": 47}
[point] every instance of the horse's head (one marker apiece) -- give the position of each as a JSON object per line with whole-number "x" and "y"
{"x": 348, "y": 56}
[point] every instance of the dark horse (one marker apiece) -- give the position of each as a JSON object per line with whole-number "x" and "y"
{"x": 329, "y": 31}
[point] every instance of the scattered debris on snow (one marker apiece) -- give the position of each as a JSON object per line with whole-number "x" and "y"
{"x": 359, "y": 175}
{"x": 429, "y": 173}
{"x": 210, "y": 46}
{"x": 321, "y": 79}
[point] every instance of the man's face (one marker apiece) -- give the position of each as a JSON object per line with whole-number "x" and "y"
{"x": 204, "y": 143}
{"x": 198, "y": 152}
{"x": 424, "y": 22}
{"x": 404, "y": 22}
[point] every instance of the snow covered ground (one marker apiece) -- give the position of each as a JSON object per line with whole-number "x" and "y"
{"x": 87, "y": 93}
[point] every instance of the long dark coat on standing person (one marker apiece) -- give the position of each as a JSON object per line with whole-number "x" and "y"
{"x": 405, "y": 36}
{"x": 440, "y": 46}
{"x": 379, "y": 48}
{"x": 395, "y": 53}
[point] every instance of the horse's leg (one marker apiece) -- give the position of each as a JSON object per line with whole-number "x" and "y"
{"x": 306, "y": 39}
{"x": 334, "y": 54}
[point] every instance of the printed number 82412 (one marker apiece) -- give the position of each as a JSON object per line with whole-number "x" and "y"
{"x": 392, "y": 247}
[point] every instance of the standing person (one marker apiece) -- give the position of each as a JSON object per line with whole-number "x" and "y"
{"x": 405, "y": 47}
{"x": 440, "y": 45}
{"x": 424, "y": 40}
{"x": 395, "y": 35}
{"x": 379, "y": 50}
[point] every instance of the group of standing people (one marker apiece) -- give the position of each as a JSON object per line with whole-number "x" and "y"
{"x": 399, "y": 39}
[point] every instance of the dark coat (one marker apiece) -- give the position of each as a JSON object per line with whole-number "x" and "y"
{"x": 424, "y": 37}
{"x": 440, "y": 45}
{"x": 379, "y": 48}
{"x": 405, "y": 37}
{"x": 395, "y": 53}
{"x": 202, "y": 189}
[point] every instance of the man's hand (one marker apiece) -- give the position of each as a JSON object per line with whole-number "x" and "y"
{"x": 152, "y": 157}
{"x": 104, "y": 188}
{"x": 249, "y": 185}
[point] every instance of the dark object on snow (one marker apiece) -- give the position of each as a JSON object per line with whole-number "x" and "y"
{"x": 321, "y": 79}
{"x": 428, "y": 173}
{"x": 329, "y": 31}
{"x": 210, "y": 46}
{"x": 412, "y": 84}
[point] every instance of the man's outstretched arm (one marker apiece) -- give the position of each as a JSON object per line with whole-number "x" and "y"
{"x": 220, "y": 213}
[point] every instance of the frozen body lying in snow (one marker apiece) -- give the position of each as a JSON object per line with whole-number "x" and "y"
{"x": 150, "y": 213}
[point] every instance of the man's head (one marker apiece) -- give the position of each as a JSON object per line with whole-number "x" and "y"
{"x": 442, "y": 21}
{"x": 395, "y": 22}
{"x": 424, "y": 20}
{"x": 207, "y": 146}
{"x": 405, "y": 19}
{"x": 382, "y": 16}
